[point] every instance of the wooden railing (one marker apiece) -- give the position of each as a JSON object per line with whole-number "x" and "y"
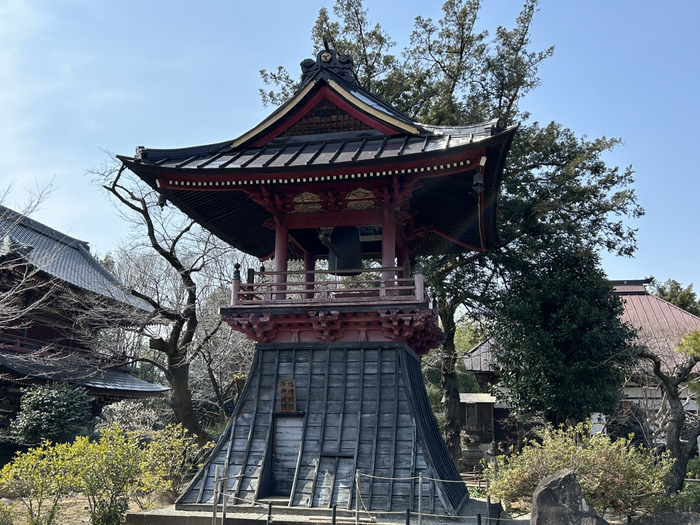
{"x": 20, "y": 343}
{"x": 303, "y": 287}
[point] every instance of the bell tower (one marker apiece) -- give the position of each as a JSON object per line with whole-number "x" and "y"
{"x": 341, "y": 195}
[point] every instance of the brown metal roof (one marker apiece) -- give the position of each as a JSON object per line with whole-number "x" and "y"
{"x": 660, "y": 324}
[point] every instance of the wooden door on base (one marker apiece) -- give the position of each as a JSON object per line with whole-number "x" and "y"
{"x": 287, "y": 440}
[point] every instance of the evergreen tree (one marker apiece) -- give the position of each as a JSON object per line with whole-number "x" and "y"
{"x": 674, "y": 292}
{"x": 561, "y": 349}
{"x": 556, "y": 185}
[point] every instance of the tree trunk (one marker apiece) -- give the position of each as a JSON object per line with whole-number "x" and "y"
{"x": 181, "y": 398}
{"x": 450, "y": 390}
{"x": 674, "y": 444}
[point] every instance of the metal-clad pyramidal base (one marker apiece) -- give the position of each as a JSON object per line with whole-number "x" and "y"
{"x": 313, "y": 418}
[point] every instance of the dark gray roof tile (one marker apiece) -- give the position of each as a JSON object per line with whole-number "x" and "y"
{"x": 60, "y": 256}
{"x": 75, "y": 372}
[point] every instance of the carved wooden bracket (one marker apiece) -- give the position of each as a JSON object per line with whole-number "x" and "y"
{"x": 417, "y": 327}
{"x": 327, "y": 325}
{"x": 259, "y": 328}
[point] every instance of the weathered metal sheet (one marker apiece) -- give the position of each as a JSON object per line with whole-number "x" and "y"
{"x": 361, "y": 420}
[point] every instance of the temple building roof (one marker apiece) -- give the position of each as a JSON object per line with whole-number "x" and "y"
{"x": 29, "y": 369}
{"x": 59, "y": 256}
{"x": 660, "y": 325}
{"x": 334, "y": 137}
{"x": 63, "y": 261}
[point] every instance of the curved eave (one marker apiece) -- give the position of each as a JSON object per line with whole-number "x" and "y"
{"x": 324, "y": 161}
{"x": 219, "y": 198}
{"x": 491, "y": 203}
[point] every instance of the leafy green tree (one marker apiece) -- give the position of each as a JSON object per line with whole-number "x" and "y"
{"x": 56, "y": 412}
{"x": 561, "y": 348}
{"x": 614, "y": 474}
{"x": 674, "y": 292}
{"x": 556, "y": 184}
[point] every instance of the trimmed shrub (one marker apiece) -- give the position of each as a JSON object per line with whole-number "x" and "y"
{"x": 39, "y": 478}
{"x": 614, "y": 475}
{"x": 172, "y": 454}
{"x": 5, "y": 514}
{"x": 112, "y": 471}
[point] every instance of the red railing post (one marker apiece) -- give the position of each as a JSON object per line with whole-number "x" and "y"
{"x": 236, "y": 284}
{"x": 419, "y": 282}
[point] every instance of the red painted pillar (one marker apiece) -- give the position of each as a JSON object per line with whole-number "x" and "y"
{"x": 281, "y": 255}
{"x": 388, "y": 244}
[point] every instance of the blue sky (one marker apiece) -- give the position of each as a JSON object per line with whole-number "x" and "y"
{"x": 81, "y": 77}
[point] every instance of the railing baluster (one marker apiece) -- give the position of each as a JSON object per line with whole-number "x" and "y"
{"x": 392, "y": 284}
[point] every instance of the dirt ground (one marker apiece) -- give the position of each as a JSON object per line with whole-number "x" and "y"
{"x": 73, "y": 510}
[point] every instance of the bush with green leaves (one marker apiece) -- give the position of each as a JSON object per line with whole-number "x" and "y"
{"x": 615, "y": 475}
{"x": 39, "y": 478}
{"x": 688, "y": 499}
{"x": 56, "y": 413}
{"x": 117, "y": 468}
{"x": 110, "y": 470}
{"x": 171, "y": 454}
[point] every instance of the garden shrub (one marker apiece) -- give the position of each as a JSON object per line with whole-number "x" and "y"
{"x": 5, "y": 514}
{"x": 111, "y": 471}
{"x": 56, "y": 413}
{"x": 688, "y": 499}
{"x": 39, "y": 478}
{"x": 693, "y": 469}
{"x": 172, "y": 454}
{"x": 614, "y": 475}
{"x": 134, "y": 415}
{"x": 105, "y": 513}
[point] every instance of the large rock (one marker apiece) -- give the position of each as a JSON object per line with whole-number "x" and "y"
{"x": 559, "y": 500}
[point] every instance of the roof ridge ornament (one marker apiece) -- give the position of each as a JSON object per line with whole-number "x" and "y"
{"x": 327, "y": 58}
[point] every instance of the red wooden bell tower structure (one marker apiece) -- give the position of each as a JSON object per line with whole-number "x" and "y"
{"x": 344, "y": 194}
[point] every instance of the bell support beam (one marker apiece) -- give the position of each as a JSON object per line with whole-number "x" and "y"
{"x": 328, "y": 220}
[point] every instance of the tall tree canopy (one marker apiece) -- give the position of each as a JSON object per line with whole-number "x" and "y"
{"x": 556, "y": 185}
{"x": 675, "y": 293}
{"x": 558, "y": 325}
